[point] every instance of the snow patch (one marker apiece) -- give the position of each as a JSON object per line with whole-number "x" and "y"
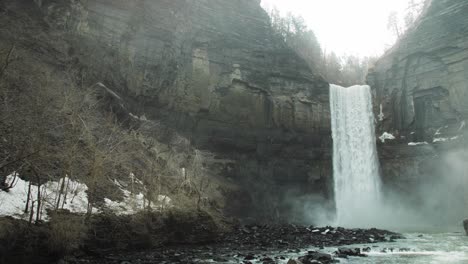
{"x": 386, "y": 136}
{"x": 134, "y": 202}
{"x": 141, "y": 118}
{"x": 13, "y": 202}
{"x": 443, "y": 139}
{"x": 381, "y": 114}
{"x": 73, "y": 198}
{"x": 417, "y": 143}
{"x": 462, "y": 125}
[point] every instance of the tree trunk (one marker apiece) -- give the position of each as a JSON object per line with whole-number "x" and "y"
{"x": 26, "y": 209}
{"x": 38, "y": 210}
{"x": 62, "y": 187}
{"x": 64, "y": 200}
{"x": 38, "y": 179}
{"x": 31, "y": 215}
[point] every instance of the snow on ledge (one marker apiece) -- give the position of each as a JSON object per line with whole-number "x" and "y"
{"x": 443, "y": 139}
{"x": 381, "y": 114}
{"x": 73, "y": 198}
{"x": 386, "y": 136}
{"x": 417, "y": 143}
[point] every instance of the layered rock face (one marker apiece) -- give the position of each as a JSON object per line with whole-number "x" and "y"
{"x": 421, "y": 97}
{"x": 421, "y": 84}
{"x": 212, "y": 71}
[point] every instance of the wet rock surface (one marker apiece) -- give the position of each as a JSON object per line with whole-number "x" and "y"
{"x": 344, "y": 251}
{"x": 418, "y": 81}
{"x": 257, "y": 244}
{"x": 465, "y": 225}
{"x": 316, "y": 257}
{"x": 418, "y": 99}
{"x": 293, "y": 236}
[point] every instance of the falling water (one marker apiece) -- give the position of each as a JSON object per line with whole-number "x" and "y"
{"x": 355, "y": 163}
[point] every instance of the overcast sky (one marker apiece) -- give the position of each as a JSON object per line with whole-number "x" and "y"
{"x": 356, "y": 27}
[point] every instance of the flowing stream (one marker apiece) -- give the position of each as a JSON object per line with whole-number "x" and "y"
{"x": 417, "y": 248}
{"x": 355, "y": 162}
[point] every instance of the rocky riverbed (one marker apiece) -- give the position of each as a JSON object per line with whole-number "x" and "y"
{"x": 257, "y": 244}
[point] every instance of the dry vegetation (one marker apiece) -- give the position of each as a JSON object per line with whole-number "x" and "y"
{"x": 56, "y": 124}
{"x": 53, "y": 128}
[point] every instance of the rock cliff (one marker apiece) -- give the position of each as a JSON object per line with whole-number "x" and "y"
{"x": 421, "y": 83}
{"x": 420, "y": 91}
{"x": 212, "y": 71}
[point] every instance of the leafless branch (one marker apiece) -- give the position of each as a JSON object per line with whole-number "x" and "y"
{"x": 6, "y": 187}
{"x": 7, "y": 60}
{"x": 17, "y": 160}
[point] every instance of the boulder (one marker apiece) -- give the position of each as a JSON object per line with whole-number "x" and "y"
{"x": 350, "y": 252}
{"x": 294, "y": 261}
{"x": 249, "y": 257}
{"x": 316, "y": 257}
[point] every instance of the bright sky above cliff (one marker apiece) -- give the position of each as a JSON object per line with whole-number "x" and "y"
{"x": 357, "y": 27}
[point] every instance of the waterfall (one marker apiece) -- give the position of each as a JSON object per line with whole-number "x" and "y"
{"x": 355, "y": 163}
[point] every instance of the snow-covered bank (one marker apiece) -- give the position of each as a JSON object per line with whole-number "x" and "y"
{"x": 13, "y": 201}
{"x": 64, "y": 194}
{"x": 132, "y": 203}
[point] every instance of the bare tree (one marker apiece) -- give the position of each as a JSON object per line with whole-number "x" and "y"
{"x": 38, "y": 200}
{"x": 393, "y": 24}
{"x": 413, "y": 11}
{"x": 398, "y": 24}
{"x": 28, "y": 198}
{"x": 201, "y": 180}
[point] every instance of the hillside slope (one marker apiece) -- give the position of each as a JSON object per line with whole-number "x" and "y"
{"x": 196, "y": 89}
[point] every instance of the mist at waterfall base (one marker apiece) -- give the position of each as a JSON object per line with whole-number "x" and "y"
{"x": 438, "y": 203}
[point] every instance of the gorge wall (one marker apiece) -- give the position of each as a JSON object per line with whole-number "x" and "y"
{"x": 214, "y": 72}
{"x": 421, "y": 97}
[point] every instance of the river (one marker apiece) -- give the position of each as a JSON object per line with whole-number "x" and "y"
{"x": 417, "y": 248}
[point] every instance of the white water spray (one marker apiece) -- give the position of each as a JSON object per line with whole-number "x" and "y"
{"x": 355, "y": 162}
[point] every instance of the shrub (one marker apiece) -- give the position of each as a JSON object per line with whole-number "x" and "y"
{"x": 67, "y": 233}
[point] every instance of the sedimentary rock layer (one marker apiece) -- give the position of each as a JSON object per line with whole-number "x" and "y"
{"x": 421, "y": 97}
{"x": 214, "y": 72}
